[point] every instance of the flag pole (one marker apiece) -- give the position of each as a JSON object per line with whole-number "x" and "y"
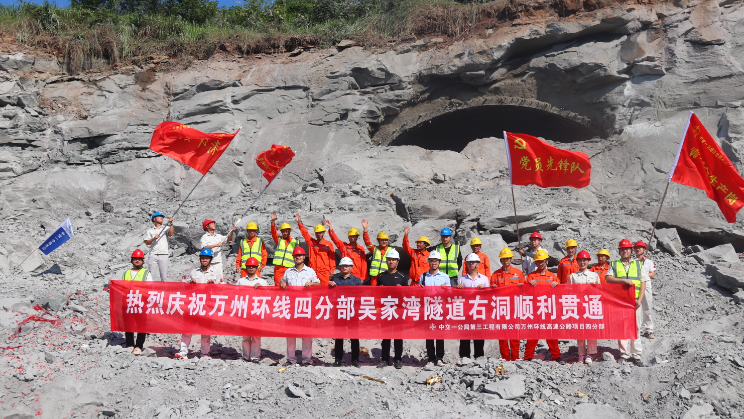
{"x": 24, "y": 260}
{"x": 669, "y": 180}
{"x": 514, "y": 202}
{"x": 257, "y": 198}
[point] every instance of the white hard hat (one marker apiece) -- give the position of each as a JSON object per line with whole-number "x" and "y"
{"x": 346, "y": 261}
{"x": 435, "y": 255}
{"x": 392, "y": 254}
{"x": 473, "y": 257}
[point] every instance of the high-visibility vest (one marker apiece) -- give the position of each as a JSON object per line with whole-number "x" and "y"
{"x": 379, "y": 263}
{"x": 251, "y": 252}
{"x": 140, "y": 276}
{"x": 449, "y": 266}
{"x": 633, "y": 273}
{"x": 283, "y": 253}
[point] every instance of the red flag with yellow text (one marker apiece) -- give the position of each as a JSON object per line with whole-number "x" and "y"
{"x": 535, "y": 162}
{"x": 702, "y": 164}
{"x": 197, "y": 149}
{"x": 274, "y": 159}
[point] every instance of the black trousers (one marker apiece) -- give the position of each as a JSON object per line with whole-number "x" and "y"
{"x": 339, "y": 351}
{"x": 477, "y": 345}
{"x": 386, "y": 349}
{"x": 129, "y": 336}
{"x": 431, "y": 354}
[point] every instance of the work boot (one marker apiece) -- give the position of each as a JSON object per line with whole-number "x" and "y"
{"x": 355, "y": 363}
{"x": 398, "y": 364}
{"x": 337, "y": 363}
{"x": 638, "y": 362}
{"x": 649, "y": 335}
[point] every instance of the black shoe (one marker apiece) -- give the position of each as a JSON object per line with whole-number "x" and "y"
{"x": 383, "y": 364}
{"x": 398, "y": 364}
{"x": 355, "y": 363}
{"x": 337, "y": 363}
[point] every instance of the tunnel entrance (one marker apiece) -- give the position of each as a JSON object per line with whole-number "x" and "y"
{"x": 453, "y": 130}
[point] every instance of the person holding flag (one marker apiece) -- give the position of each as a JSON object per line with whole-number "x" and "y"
{"x": 352, "y": 250}
{"x": 528, "y": 261}
{"x": 214, "y": 241}
{"x": 649, "y": 268}
{"x": 159, "y": 247}
{"x": 250, "y": 247}
{"x": 322, "y": 253}
{"x": 137, "y": 273}
{"x": 285, "y": 245}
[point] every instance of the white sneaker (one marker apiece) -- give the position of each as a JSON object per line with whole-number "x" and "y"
{"x": 588, "y": 360}
{"x": 440, "y": 363}
{"x": 465, "y": 361}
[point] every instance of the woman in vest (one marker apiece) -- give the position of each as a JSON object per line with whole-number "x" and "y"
{"x": 285, "y": 245}
{"x": 137, "y": 273}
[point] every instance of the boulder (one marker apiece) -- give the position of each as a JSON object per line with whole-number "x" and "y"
{"x": 508, "y": 389}
{"x": 593, "y": 411}
{"x": 722, "y": 253}
{"x": 694, "y": 227}
{"x": 727, "y": 275}
{"x": 669, "y": 241}
{"x": 699, "y": 411}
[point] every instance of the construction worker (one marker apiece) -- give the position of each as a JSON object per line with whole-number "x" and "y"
{"x": 322, "y": 252}
{"x": 485, "y": 264}
{"x": 379, "y": 253}
{"x": 284, "y": 248}
{"x": 435, "y": 278}
{"x": 528, "y": 261}
{"x": 587, "y": 347}
{"x": 472, "y": 279}
{"x": 213, "y": 241}
{"x": 629, "y": 272}
{"x": 250, "y": 247}
{"x": 649, "y": 269}
{"x": 603, "y": 256}
{"x": 137, "y": 273}
{"x": 392, "y": 278}
{"x": 419, "y": 256}
{"x": 204, "y": 274}
{"x": 158, "y": 248}
{"x": 568, "y": 264}
{"x": 542, "y": 276}
{"x": 505, "y": 276}
{"x": 353, "y": 250}
{"x": 252, "y": 344}
{"x": 299, "y": 275}
{"x": 345, "y": 278}
{"x": 451, "y": 257}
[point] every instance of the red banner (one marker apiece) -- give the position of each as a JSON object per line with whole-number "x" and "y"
{"x": 703, "y": 165}
{"x": 197, "y": 149}
{"x": 363, "y": 312}
{"x": 273, "y": 160}
{"x": 535, "y": 162}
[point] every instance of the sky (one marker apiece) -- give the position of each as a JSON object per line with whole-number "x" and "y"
{"x": 65, "y": 3}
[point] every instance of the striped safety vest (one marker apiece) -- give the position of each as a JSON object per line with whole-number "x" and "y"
{"x": 283, "y": 253}
{"x": 253, "y": 251}
{"x": 633, "y": 273}
{"x": 449, "y": 266}
{"x": 379, "y": 263}
{"x": 140, "y": 276}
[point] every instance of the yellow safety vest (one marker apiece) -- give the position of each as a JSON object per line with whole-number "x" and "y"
{"x": 140, "y": 276}
{"x": 633, "y": 273}
{"x": 379, "y": 263}
{"x": 449, "y": 266}
{"x": 283, "y": 253}
{"x": 251, "y": 251}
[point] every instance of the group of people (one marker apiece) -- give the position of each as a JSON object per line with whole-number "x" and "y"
{"x": 431, "y": 266}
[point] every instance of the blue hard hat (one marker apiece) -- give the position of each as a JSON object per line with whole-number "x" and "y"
{"x": 157, "y": 214}
{"x": 446, "y": 232}
{"x": 206, "y": 252}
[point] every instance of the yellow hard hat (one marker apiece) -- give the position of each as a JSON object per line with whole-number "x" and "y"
{"x": 382, "y": 235}
{"x": 424, "y": 239}
{"x": 285, "y": 226}
{"x": 506, "y": 253}
{"x": 604, "y": 252}
{"x": 353, "y": 232}
{"x": 571, "y": 243}
{"x": 541, "y": 255}
{"x": 251, "y": 226}
{"x": 319, "y": 228}
{"x": 475, "y": 241}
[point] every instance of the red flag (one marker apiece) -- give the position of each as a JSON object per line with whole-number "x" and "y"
{"x": 273, "y": 160}
{"x": 190, "y": 146}
{"x": 702, "y": 164}
{"x": 535, "y": 162}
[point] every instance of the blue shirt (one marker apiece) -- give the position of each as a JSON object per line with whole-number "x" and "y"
{"x": 351, "y": 280}
{"x": 438, "y": 279}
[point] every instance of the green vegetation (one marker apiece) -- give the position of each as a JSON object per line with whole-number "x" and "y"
{"x": 92, "y": 32}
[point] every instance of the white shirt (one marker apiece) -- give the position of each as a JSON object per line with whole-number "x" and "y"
{"x": 644, "y": 276}
{"x": 648, "y": 267}
{"x": 161, "y": 246}
{"x": 295, "y": 278}
{"x": 528, "y": 263}
{"x": 202, "y": 277}
{"x": 210, "y": 240}
{"x": 252, "y": 282}
{"x": 469, "y": 282}
{"x": 586, "y": 277}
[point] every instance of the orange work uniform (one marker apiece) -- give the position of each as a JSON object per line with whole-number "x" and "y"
{"x": 566, "y": 267}
{"x": 419, "y": 261}
{"x": 357, "y": 253}
{"x": 542, "y": 278}
{"x": 484, "y": 267}
{"x": 278, "y": 269}
{"x": 264, "y": 258}
{"x": 371, "y": 248}
{"x": 322, "y": 256}
{"x": 601, "y": 271}
{"x": 509, "y": 348}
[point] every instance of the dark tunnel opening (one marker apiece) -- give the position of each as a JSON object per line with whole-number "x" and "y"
{"x": 454, "y": 130}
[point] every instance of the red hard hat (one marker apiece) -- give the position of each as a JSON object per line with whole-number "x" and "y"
{"x": 624, "y": 243}
{"x": 138, "y": 254}
{"x": 298, "y": 251}
{"x": 640, "y": 243}
{"x": 206, "y": 223}
{"x": 584, "y": 255}
{"x": 536, "y": 235}
{"x": 251, "y": 262}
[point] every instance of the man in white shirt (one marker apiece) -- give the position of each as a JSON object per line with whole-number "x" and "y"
{"x": 214, "y": 241}
{"x": 472, "y": 279}
{"x": 204, "y": 274}
{"x": 299, "y": 276}
{"x": 649, "y": 269}
{"x": 528, "y": 256}
{"x": 434, "y": 278}
{"x": 158, "y": 255}
{"x": 252, "y": 344}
